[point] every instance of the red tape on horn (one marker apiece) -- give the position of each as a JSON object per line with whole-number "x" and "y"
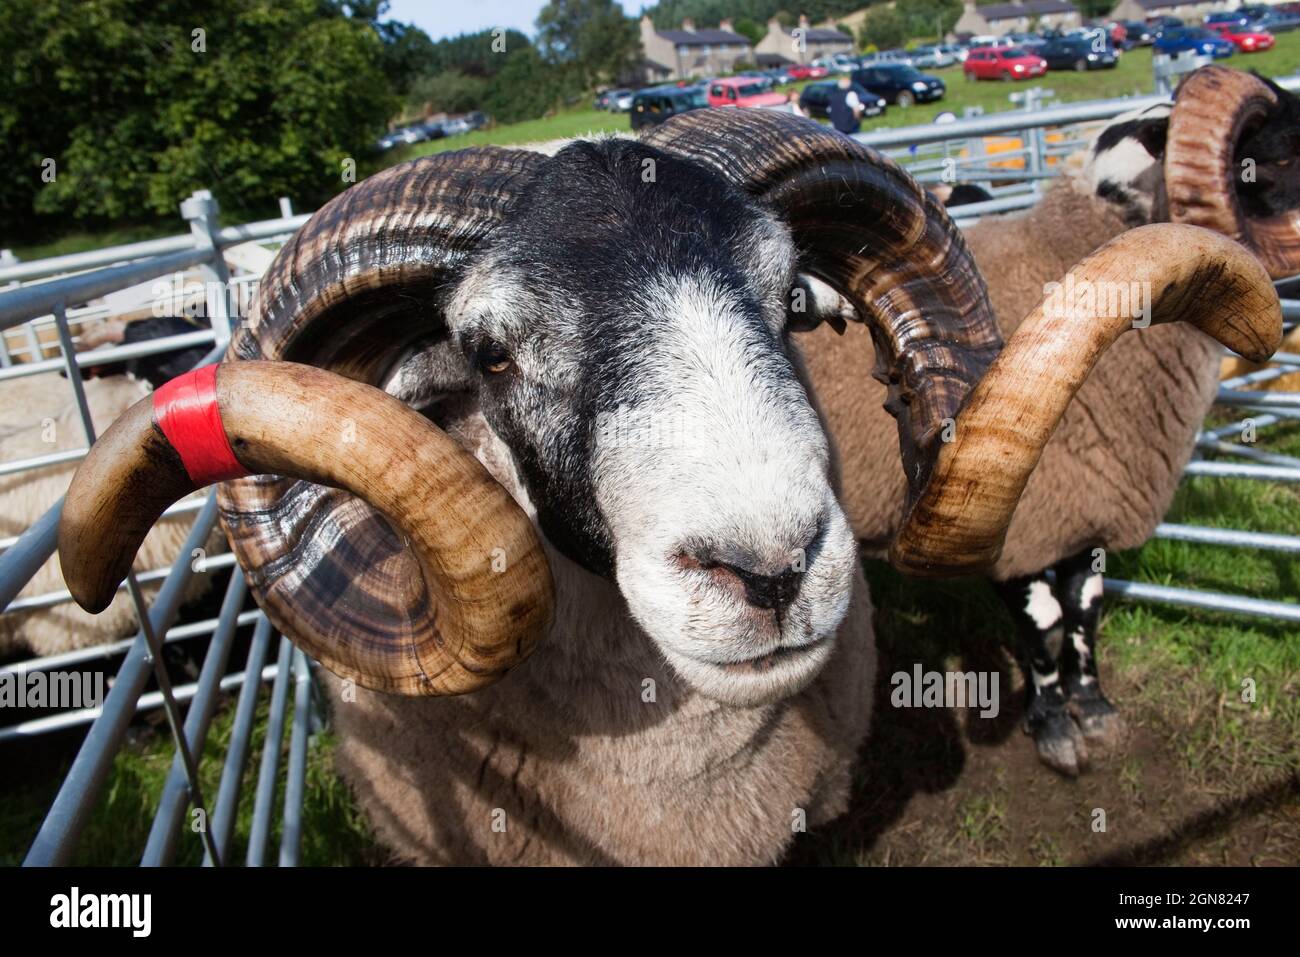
{"x": 186, "y": 410}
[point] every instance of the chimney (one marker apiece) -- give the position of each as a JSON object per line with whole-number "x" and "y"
{"x": 727, "y": 25}
{"x": 688, "y": 25}
{"x": 803, "y": 20}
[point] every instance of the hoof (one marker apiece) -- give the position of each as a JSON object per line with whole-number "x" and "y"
{"x": 1061, "y": 745}
{"x": 1098, "y": 719}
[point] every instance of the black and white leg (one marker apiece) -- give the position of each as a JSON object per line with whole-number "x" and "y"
{"x": 1078, "y": 588}
{"x": 1039, "y": 624}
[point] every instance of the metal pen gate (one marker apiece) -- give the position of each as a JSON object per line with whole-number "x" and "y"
{"x": 50, "y": 295}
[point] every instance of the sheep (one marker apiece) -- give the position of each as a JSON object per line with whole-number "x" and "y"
{"x": 594, "y": 448}
{"x": 1109, "y": 474}
{"x": 40, "y": 416}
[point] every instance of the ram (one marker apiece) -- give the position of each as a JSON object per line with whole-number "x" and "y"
{"x": 1109, "y": 474}
{"x": 616, "y": 453}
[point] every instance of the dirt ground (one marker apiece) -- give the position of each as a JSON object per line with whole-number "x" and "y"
{"x": 944, "y": 786}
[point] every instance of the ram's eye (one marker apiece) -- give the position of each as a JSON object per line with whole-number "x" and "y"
{"x": 494, "y": 358}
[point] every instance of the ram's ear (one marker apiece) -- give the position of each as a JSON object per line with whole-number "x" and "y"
{"x": 1148, "y": 132}
{"x": 813, "y": 302}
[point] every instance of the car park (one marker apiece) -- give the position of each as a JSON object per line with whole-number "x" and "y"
{"x": 1248, "y": 39}
{"x": 1196, "y": 39}
{"x": 899, "y": 84}
{"x": 1137, "y": 34}
{"x": 1079, "y": 54}
{"x": 1003, "y": 63}
{"x": 742, "y": 91}
{"x": 652, "y": 106}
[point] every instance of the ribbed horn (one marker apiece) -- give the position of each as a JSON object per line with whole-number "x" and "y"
{"x": 1214, "y": 109}
{"x": 482, "y": 572}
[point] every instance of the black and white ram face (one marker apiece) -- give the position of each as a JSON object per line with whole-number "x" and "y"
{"x": 627, "y": 329}
{"x": 1125, "y": 166}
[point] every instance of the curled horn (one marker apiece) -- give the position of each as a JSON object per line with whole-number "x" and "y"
{"x": 1193, "y": 274}
{"x": 366, "y": 534}
{"x": 1215, "y": 107}
{"x": 866, "y": 228}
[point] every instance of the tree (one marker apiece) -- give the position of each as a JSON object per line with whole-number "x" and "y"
{"x": 591, "y": 40}
{"x": 926, "y": 18}
{"x": 884, "y": 28}
{"x": 449, "y": 92}
{"x": 137, "y": 105}
{"x": 526, "y": 88}
{"x": 751, "y": 29}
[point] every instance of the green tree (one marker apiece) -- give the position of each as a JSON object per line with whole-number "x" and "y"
{"x": 751, "y": 29}
{"x": 526, "y": 88}
{"x": 591, "y": 40}
{"x": 450, "y": 91}
{"x": 139, "y": 103}
{"x": 883, "y": 27}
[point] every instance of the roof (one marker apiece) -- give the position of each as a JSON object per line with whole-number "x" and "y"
{"x": 699, "y": 38}
{"x": 771, "y": 59}
{"x": 822, "y": 35}
{"x": 1031, "y": 8}
{"x": 1165, "y": 4}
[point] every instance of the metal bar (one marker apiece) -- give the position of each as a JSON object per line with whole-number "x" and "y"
{"x": 1259, "y": 375}
{"x": 147, "y": 702}
{"x": 232, "y": 772}
{"x": 296, "y": 785}
{"x": 188, "y": 505}
{"x": 1212, "y": 601}
{"x": 24, "y": 558}
{"x": 1236, "y": 428}
{"x": 1267, "y": 400}
{"x": 103, "y": 652}
{"x": 1232, "y": 538}
{"x": 42, "y": 461}
{"x": 260, "y": 831}
{"x": 67, "y": 817}
{"x": 1271, "y": 473}
{"x": 161, "y": 846}
{"x": 99, "y": 357}
{"x": 1242, "y": 451}
{"x": 27, "y": 302}
{"x": 53, "y": 598}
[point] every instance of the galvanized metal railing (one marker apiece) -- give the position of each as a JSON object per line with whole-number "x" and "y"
{"x": 37, "y": 305}
{"x": 49, "y": 293}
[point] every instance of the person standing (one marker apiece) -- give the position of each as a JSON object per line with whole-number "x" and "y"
{"x": 846, "y": 105}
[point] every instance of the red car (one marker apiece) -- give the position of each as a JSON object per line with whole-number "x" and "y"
{"x": 742, "y": 91}
{"x": 802, "y": 72}
{"x": 1244, "y": 38}
{"x": 1003, "y": 63}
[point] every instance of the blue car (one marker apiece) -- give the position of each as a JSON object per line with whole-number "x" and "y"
{"x": 1207, "y": 42}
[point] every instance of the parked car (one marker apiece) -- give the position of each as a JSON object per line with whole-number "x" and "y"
{"x": 476, "y": 119}
{"x": 1250, "y": 38}
{"x": 899, "y": 84}
{"x": 957, "y": 51}
{"x": 1228, "y": 17}
{"x": 1278, "y": 21}
{"x": 815, "y": 100}
{"x": 656, "y": 104}
{"x": 1026, "y": 41}
{"x": 619, "y": 101}
{"x": 932, "y": 58}
{"x": 1165, "y": 23}
{"x": 1198, "y": 39}
{"x": 1003, "y": 63}
{"x": 1078, "y": 53}
{"x": 802, "y": 71}
{"x": 742, "y": 91}
{"x": 1138, "y": 34}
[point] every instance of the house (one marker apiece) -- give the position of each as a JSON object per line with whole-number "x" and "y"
{"x": 802, "y": 45}
{"x": 1001, "y": 18}
{"x": 1191, "y": 12}
{"x": 691, "y": 52}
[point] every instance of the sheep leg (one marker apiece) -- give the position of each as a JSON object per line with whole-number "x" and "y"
{"x": 1038, "y": 618}
{"x": 1078, "y": 588}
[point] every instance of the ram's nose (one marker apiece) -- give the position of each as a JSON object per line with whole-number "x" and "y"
{"x": 768, "y": 583}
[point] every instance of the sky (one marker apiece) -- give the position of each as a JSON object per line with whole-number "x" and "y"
{"x": 447, "y": 18}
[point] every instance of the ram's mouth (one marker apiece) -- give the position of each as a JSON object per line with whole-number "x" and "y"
{"x": 771, "y": 660}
